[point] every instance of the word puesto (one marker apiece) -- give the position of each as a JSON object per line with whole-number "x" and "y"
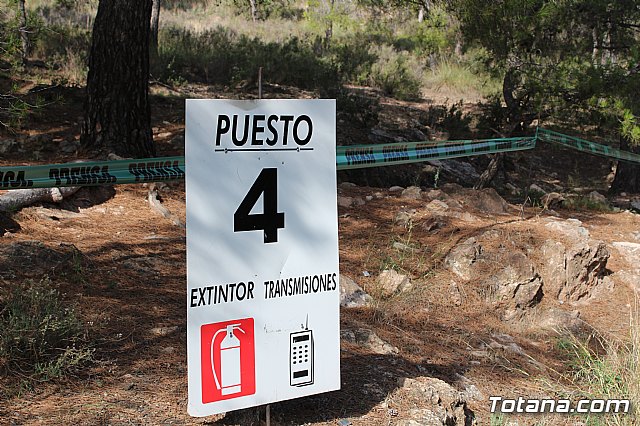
{"x": 260, "y": 129}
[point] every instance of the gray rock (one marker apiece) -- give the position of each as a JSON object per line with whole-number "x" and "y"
{"x": 487, "y": 201}
{"x": 571, "y": 228}
{"x": 629, "y": 251}
{"x": 345, "y": 202}
{"x": 437, "y": 207}
{"x": 396, "y": 189}
{"x": 347, "y": 185}
{"x": 454, "y": 292}
{"x": 535, "y": 188}
{"x": 456, "y": 170}
{"x": 441, "y": 404}
{"x": 403, "y": 247}
{"x": 561, "y": 321}
{"x": 412, "y": 192}
{"x": 574, "y": 274}
{"x": 404, "y": 217}
{"x": 8, "y": 146}
{"x": 163, "y": 331}
{"x": 462, "y": 258}
{"x": 513, "y": 190}
{"x": 516, "y": 288}
{"x": 597, "y": 197}
{"x": 69, "y": 147}
{"x": 351, "y": 294}
{"x": 391, "y": 282}
{"x": 635, "y": 205}
{"x": 552, "y": 200}
{"x": 368, "y": 339}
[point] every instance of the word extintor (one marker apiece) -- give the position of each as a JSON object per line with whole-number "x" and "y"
{"x": 156, "y": 170}
{"x": 87, "y": 175}
{"x": 11, "y": 179}
{"x": 260, "y": 129}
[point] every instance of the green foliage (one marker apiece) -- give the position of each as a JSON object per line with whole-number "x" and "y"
{"x": 397, "y": 74}
{"x": 39, "y": 332}
{"x": 434, "y": 36}
{"x": 222, "y": 56}
{"x": 358, "y": 108}
{"x": 566, "y": 57}
{"x": 451, "y": 119}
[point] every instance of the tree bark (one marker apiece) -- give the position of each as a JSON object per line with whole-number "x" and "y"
{"x": 24, "y": 34}
{"x": 254, "y": 10}
{"x": 627, "y": 178}
{"x": 117, "y": 112}
{"x": 153, "y": 34}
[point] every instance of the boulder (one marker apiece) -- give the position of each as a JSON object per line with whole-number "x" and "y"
{"x": 412, "y": 192}
{"x": 351, "y": 294}
{"x": 440, "y": 403}
{"x": 515, "y": 288}
{"x": 396, "y": 189}
{"x": 486, "y": 201}
{"x": 462, "y": 258}
{"x": 575, "y": 273}
{"x": 561, "y": 321}
{"x": 391, "y": 282}
{"x": 457, "y": 171}
{"x": 368, "y": 339}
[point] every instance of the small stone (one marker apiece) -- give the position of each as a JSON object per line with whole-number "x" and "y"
{"x": 437, "y": 206}
{"x": 396, "y": 189}
{"x": 345, "y": 202}
{"x": 552, "y": 200}
{"x": 404, "y": 217}
{"x": 392, "y": 282}
{"x": 597, "y": 197}
{"x": 351, "y": 294}
{"x": 412, "y": 192}
{"x": 535, "y": 188}
{"x": 454, "y": 291}
{"x": 348, "y": 185}
{"x": 163, "y": 331}
{"x": 403, "y": 247}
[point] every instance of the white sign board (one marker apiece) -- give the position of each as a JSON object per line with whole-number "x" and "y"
{"x": 262, "y": 252}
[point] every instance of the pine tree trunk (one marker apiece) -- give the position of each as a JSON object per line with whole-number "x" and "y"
{"x": 627, "y": 178}
{"x": 24, "y": 35}
{"x": 153, "y": 35}
{"x": 117, "y": 113}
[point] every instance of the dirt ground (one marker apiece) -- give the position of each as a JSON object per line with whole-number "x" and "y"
{"x": 123, "y": 268}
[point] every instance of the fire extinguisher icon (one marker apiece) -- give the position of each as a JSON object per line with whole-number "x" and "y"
{"x": 230, "y": 379}
{"x": 228, "y": 360}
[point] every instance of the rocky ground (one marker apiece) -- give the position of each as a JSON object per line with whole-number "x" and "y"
{"x": 449, "y": 295}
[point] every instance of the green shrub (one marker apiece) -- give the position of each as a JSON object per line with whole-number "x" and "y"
{"x": 39, "y": 332}
{"x": 397, "y": 74}
{"x": 357, "y": 108}
{"x": 224, "y": 57}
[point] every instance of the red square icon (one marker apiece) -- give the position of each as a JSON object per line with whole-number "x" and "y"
{"x": 227, "y": 360}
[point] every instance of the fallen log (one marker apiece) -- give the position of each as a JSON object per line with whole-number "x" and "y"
{"x": 14, "y": 200}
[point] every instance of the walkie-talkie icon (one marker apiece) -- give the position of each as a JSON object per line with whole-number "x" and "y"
{"x": 301, "y": 357}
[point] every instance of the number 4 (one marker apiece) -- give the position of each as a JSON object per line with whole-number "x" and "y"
{"x": 269, "y": 220}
